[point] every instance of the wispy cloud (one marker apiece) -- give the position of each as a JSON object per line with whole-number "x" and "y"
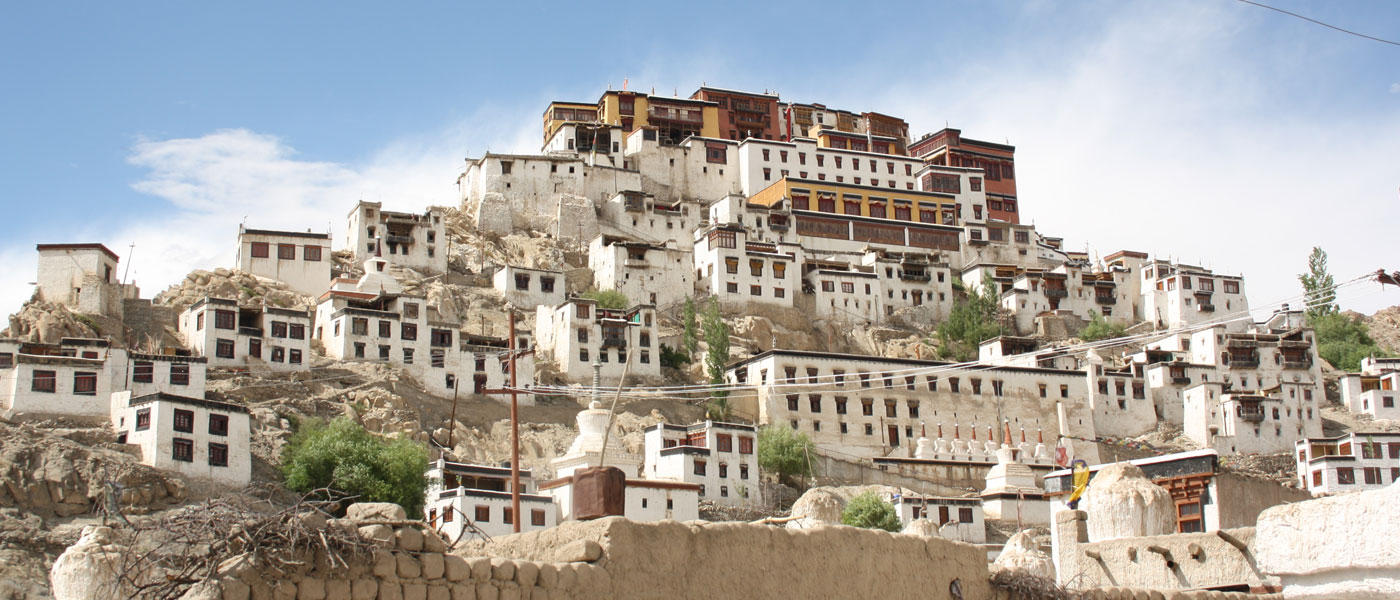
{"x": 1395, "y": 88}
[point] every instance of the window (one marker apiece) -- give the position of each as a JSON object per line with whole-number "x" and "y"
{"x": 840, "y": 405}
{"x": 890, "y": 409}
{"x": 143, "y": 419}
{"x": 359, "y": 349}
{"x": 218, "y": 424}
{"x": 867, "y": 407}
{"x": 522, "y": 281}
{"x": 408, "y": 331}
{"x": 537, "y": 517}
{"x": 815, "y": 403}
{"x": 199, "y": 322}
{"x": 1371, "y": 475}
{"x": 1345, "y": 476}
{"x": 724, "y": 443}
{"x": 223, "y": 319}
{"x": 1064, "y": 391}
{"x": 699, "y": 467}
{"x": 745, "y": 445}
{"x": 223, "y": 348}
{"x": 144, "y": 371}
{"x": 507, "y": 517}
{"x": 182, "y": 450}
{"x": 731, "y": 265}
{"x": 731, "y": 287}
{"x": 385, "y": 329}
{"x": 294, "y": 357}
{"x": 792, "y": 402}
{"x": 441, "y": 338}
{"x": 848, "y": 287}
{"x": 1232, "y": 287}
{"x": 85, "y": 383}
{"x": 259, "y": 249}
{"x": 184, "y": 421}
{"x": 286, "y": 251}
{"x": 296, "y": 331}
{"x": 218, "y": 454}
{"x": 179, "y": 374}
{"x": 410, "y": 311}
{"x": 756, "y": 268}
{"x": 279, "y": 354}
{"x": 359, "y": 326}
{"x": 953, "y": 383}
{"x": 483, "y": 514}
{"x": 755, "y": 290}
{"x": 311, "y": 253}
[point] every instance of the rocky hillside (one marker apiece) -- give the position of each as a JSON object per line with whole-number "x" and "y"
{"x": 1385, "y": 328}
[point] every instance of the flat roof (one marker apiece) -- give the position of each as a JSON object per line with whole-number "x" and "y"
{"x": 92, "y": 246}
{"x": 165, "y": 397}
{"x": 907, "y": 361}
{"x": 300, "y": 234}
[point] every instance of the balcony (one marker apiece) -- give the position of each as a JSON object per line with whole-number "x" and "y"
{"x": 914, "y": 275}
{"x": 1105, "y": 299}
{"x": 636, "y": 263}
{"x": 1181, "y": 380}
{"x": 1252, "y": 416}
{"x": 777, "y": 224}
{"x": 1297, "y": 364}
{"x": 398, "y": 239}
{"x": 1056, "y": 293}
{"x": 690, "y": 116}
{"x": 1244, "y": 361}
{"x": 250, "y": 331}
{"x": 1205, "y": 308}
{"x": 633, "y": 204}
{"x": 614, "y": 341}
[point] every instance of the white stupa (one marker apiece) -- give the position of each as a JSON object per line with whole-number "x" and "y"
{"x": 1011, "y": 491}
{"x": 587, "y": 449}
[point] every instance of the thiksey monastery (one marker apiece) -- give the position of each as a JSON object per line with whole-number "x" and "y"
{"x": 763, "y": 206}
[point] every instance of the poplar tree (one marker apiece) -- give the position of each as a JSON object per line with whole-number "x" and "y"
{"x": 1321, "y": 298}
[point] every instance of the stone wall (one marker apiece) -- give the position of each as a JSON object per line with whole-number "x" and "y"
{"x": 1244, "y": 497}
{"x": 146, "y": 323}
{"x": 1336, "y": 547}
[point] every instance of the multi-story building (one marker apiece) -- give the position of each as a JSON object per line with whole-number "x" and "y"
{"x": 1071, "y": 288}
{"x": 743, "y": 115}
{"x": 77, "y": 377}
{"x": 642, "y": 217}
{"x": 83, "y": 278}
{"x": 1257, "y": 422}
{"x": 578, "y": 332}
{"x": 736, "y": 270}
{"x": 1374, "y": 390}
{"x": 247, "y": 337}
{"x": 997, "y": 161}
{"x": 720, "y": 457}
{"x": 1355, "y": 461}
{"x": 194, "y": 437}
{"x": 372, "y": 319}
{"x": 302, "y": 260}
{"x": 804, "y": 120}
{"x": 958, "y": 519}
{"x": 462, "y": 495}
{"x": 673, "y": 118}
{"x": 871, "y": 406}
{"x": 643, "y": 272}
{"x": 416, "y": 241}
{"x": 899, "y": 220}
{"x": 528, "y": 288}
{"x": 1174, "y": 295}
{"x": 764, "y": 162}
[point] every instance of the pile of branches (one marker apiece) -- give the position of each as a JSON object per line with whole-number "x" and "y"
{"x": 1019, "y": 585}
{"x": 167, "y": 555}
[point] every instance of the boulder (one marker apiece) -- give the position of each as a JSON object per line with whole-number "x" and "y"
{"x": 1022, "y": 555}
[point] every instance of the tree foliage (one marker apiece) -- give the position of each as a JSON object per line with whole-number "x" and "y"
{"x": 784, "y": 451}
{"x": 868, "y": 510}
{"x": 1343, "y": 341}
{"x": 971, "y": 322}
{"x": 716, "y": 333}
{"x": 672, "y": 358}
{"x": 343, "y": 457}
{"x": 608, "y": 298}
{"x": 1100, "y": 329}
{"x": 1321, "y": 298}
{"x": 691, "y": 336}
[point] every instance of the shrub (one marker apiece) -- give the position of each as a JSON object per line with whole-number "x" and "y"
{"x": 672, "y": 358}
{"x": 342, "y": 457}
{"x": 1343, "y": 341}
{"x": 869, "y": 511}
{"x": 784, "y": 451}
{"x": 608, "y": 298}
{"x": 970, "y": 323}
{"x": 1100, "y": 329}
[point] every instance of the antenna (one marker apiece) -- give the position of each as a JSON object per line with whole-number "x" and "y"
{"x": 130, "y": 252}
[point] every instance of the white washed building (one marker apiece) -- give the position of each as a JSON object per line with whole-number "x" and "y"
{"x": 77, "y": 377}
{"x": 462, "y": 493}
{"x": 1355, "y": 461}
{"x": 416, "y": 241}
{"x": 302, "y": 260}
{"x": 721, "y": 457}
{"x": 958, "y": 519}
{"x": 578, "y": 332}
{"x": 194, "y": 437}
{"x": 1375, "y": 390}
{"x": 1258, "y": 422}
{"x": 529, "y": 288}
{"x": 1175, "y": 294}
{"x": 258, "y": 338}
{"x": 82, "y": 277}
{"x": 645, "y": 273}
{"x": 738, "y": 271}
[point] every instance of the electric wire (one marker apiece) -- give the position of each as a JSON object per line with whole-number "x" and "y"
{"x": 1346, "y": 31}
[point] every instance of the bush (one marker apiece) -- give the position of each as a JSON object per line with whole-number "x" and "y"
{"x": 1100, "y": 329}
{"x": 970, "y": 323}
{"x": 869, "y": 511}
{"x": 341, "y": 456}
{"x": 784, "y": 451}
{"x": 1343, "y": 341}
{"x": 673, "y": 359}
{"x": 608, "y": 298}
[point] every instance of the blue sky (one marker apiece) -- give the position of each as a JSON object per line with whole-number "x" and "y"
{"x": 1207, "y": 130}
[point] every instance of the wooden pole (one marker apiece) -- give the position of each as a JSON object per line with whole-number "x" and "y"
{"x": 514, "y": 436}
{"x": 452, "y": 425}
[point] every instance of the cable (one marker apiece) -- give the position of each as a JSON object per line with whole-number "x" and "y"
{"x": 1346, "y": 31}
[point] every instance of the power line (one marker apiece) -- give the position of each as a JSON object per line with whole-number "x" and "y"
{"x": 1346, "y": 31}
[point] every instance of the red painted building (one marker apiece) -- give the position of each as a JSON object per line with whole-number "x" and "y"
{"x": 997, "y": 161}
{"x": 743, "y": 114}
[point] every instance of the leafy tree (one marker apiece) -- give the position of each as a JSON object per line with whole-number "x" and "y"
{"x": 607, "y": 298}
{"x": 672, "y": 358}
{"x": 871, "y": 512}
{"x": 971, "y": 322}
{"x": 691, "y": 337}
{"x": 1100, "y": 329}
{"x": 1343, "y": 341}
{"x": 716, "y": 333}
{"x": 1317, "y": 286}
{"x": 341, "y": 456}
{"x": 784, "y": 451}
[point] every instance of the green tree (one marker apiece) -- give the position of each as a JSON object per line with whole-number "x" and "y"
{"x": 608, "y": 298}
{"x": 672, "y": 358}
{"x": 784, "y": 451}
{"x": 691, "y": 337}
{"x": 1100, "y": 329}
{"x": 716, "y": 333}
{"x": 1321, "y": 298}
{"x": 342, "y": 457}
{"x": 871, "y": 512}
{"x": 1343, "y": 341}
{"x": 971, "y": 322}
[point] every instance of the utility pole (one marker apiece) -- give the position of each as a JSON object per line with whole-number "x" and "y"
{"x": 514, "y": 436}
{"x": 131, "y": 252}
{"x": 452, "y": 424}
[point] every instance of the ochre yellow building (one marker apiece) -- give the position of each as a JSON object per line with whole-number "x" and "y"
{"x": 861, "y": 201}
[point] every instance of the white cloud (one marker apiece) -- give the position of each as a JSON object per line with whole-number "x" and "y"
{"x": 1395, "y": 88}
